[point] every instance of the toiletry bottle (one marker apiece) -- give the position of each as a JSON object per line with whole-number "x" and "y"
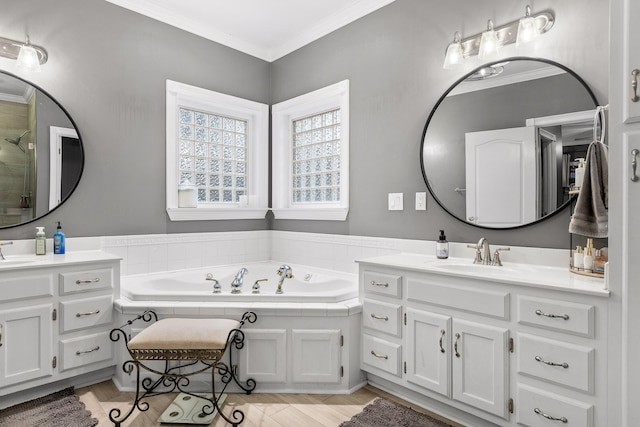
{"x": 578, "y": 258}
{"x": 598, "y": 262}
{"x": 41, "y": 241}
{"x": 588, "y": 259}
{"x": 442, "y": 246}
{"x": 579, "y": 173}
{"x": 58, "y": 240}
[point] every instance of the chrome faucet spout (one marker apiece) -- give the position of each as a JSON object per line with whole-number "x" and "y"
{"x": 285, "y": 272}
{"x": 483, "y": 244}
{"x": 237, "y": 282}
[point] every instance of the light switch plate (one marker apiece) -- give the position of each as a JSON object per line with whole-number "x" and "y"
{"x": 396, "y": 201}
{"x": 421, "y": 201}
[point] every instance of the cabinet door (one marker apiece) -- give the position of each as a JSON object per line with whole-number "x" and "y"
{"x": 26, "y": 348}
{"x": 429, "y": 350}
{"x": 316, "y": 356}
{"x": 480, "y": 366}
{"x": 264, "y": 356}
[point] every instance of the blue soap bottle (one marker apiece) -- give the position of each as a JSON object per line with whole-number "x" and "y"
{"x": 58, "y": 240}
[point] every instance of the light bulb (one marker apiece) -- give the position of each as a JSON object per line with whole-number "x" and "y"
{"x": 489, "y": 43}
{"x": 527, "y": 28}
{"x": 454, "y": 56}
{"x": 28, "y": 58}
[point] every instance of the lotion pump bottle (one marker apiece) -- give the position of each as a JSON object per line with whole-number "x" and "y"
{"x": 58, "y": 240}
{"x": 588, "y": 260}
{"x": 442, "y": 246}
{"x": 41, "y": 241}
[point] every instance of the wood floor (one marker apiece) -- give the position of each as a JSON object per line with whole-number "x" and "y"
{"x": 264, "y": 410}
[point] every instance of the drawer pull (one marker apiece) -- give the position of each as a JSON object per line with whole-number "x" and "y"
{"x": 441, "y": 337}
{"x": 378, "y": 356}
{"x": 96, "y": 348}
{"x": 0, "y": 335}
{"x": 91, "y": 313}
{"x": 455, "y": 345}
{"x": 549, "y": 417}
{"x": 384, "y": 285}
{"x": 87, "y": 281}
{"x": 385, "y": 318}
{"x": 552, "y": 316}
{"x": 565, "y": 365}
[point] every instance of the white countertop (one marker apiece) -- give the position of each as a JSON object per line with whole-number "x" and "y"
{"x": 28, "y": 261}
{"x": 538, "y": 276}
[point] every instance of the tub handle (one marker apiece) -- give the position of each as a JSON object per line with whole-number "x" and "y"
{"x": 385, "y": 318}
{"x": 256, "y": 286}
{"x": 374, "y": 283}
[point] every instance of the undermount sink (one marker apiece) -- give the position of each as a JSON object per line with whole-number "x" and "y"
{"x": 472, "y": 268}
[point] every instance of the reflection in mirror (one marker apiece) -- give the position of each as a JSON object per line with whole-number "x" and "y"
{"x": 500, "y": 147}
{"x": 41, "y": 154}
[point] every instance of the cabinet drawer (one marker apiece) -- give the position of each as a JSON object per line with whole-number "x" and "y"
{"x": 82, "y": 351}
{"x": 26, "y": 286}
{"x": 382, "y": 317}
{"x": 86, "y": 313}
{"x": 556, "y": 361}
{"x": 85, "y": 281}
{"x": 383, "y": 284}
{"x": 534, "y": 404}
{"x": 564, "y": 316}
{"x": 381, "y": 354}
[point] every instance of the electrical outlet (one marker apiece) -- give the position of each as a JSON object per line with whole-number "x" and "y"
{"x": 421, "y": 201}
{"x": 396, "y": 202}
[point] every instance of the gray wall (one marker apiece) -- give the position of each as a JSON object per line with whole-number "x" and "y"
{"x": 393, "y": 59}
{"x": 108, "y": 66}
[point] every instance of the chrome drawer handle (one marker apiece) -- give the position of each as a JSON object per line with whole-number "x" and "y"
{"x": 91, "y": 313}
{"x": 455, "y": 345}
{"x": 565, "y": 365}
{"x": 96, "y": 348}
{"x": 0, "y": 335}
{"x": 374, "y": 283}
{"x": 441, "y": 337}
{"x": 552, "y": 316}
{"x": 549, "y": 417}
{"x": 87, "y": 281}
{"x": 378, "y": 356}
{"x": 385, "y": 318}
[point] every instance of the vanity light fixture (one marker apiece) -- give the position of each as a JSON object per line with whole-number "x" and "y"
{"x": 29, "y": 57}
{"x": 454, "y": 56}
{"x": 486, "y": 43}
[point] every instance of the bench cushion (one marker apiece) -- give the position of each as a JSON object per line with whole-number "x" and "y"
{"x": 184, "y": 334}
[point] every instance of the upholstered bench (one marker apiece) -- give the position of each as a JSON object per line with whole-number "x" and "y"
{"x": 199, "y": 343}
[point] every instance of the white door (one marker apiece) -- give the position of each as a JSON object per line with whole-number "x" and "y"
{"x": 316, "y": 356}
{"x": 501, "y": 176}
{"x": 26, "y": 348}
{"x": 264, "y": 356}
{"x": 480, "y": 366}
{"x": 429, "y": 350}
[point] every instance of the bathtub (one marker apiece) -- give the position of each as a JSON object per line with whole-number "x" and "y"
{"x": 309, "y": 284}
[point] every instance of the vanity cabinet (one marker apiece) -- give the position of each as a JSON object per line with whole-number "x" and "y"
{"x": 485, "y": 352}
{"x": 55, "y": 319}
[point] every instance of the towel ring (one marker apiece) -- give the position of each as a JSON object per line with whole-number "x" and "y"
{"x": 600, "y": 118}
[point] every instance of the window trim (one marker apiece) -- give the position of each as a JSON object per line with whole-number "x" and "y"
{"x": 256, "y": 114}
{"x": 283, "y": 115}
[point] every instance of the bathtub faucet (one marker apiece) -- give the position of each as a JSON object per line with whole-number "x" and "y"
{"x": 237, "y": 282}
{"x": 285, "y": 272}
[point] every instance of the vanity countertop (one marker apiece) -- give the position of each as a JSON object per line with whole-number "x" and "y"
{"x": 29, "y": 261}
{"x": 532, "y": 275}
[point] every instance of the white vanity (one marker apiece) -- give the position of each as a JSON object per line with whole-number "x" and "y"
{"x": 487, "y": 345}
{"x": 56, "y": 312}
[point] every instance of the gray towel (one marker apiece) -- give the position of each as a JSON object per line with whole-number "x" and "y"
{"x": 591, "y": 217}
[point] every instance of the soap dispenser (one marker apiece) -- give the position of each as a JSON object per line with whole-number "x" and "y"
{"x": 41, "y": 241}
{"x": 58, "y": 240}
{"x": 442, "y": 246}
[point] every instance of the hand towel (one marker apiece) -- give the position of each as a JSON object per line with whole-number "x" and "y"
{"x": 591, "y": 215}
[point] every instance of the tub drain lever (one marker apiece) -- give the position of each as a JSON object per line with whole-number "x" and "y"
{"x": 256, "y": 286}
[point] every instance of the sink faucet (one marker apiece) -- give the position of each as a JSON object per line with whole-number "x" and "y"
{"x": 236, "y": 284}
{"x": 483, "y": 244}
{"x": 285, "y": 272}
{"x": 1, "y": 245}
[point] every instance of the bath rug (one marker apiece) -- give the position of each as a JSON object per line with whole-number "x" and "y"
{"x": 60, "y": 409}
{"x": 386, "y": 413}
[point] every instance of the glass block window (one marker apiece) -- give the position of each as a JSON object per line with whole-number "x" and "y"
{"x": 316, "y": 158}
{"x": 213, "y": 155}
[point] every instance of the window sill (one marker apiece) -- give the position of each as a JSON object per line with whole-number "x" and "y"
{"x": 320, "y": 214}
{"x": 205, "y": 214}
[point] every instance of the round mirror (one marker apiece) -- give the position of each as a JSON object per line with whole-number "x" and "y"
{"x": 41, "y": 154}
{"x": 500, "y": 147}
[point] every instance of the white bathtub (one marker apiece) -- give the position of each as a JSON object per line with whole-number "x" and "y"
{"x": 309, "y": 284}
